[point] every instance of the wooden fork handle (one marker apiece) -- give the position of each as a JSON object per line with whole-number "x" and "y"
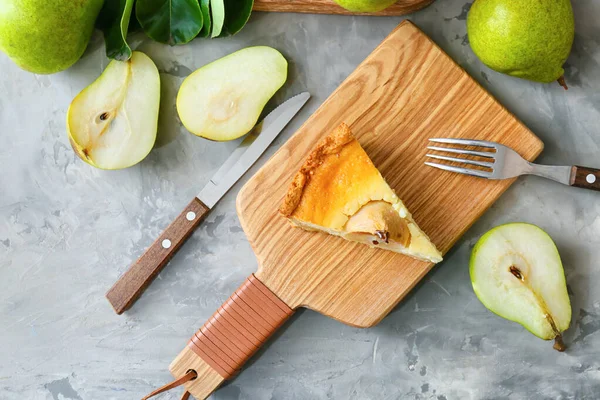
{"x": 230, "y": 337}
{"x": 586, "y": 178}
{"x": 139, "y": 276}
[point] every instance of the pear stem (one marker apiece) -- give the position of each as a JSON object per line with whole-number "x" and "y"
{"x": 559, "y": 345}
{"x": 561, "y": 82}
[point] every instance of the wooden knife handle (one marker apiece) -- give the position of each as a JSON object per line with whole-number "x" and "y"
{"x": 586, "y": 178}
{"x": 137, "y": 278}
{"x": 230, "y": 337}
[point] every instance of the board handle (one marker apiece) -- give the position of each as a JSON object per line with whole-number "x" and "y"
{"x": 138, "y": 277}
{"x": 230, "y": 337}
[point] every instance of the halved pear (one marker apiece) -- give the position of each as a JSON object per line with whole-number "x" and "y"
{"x": 517, "y": 273}
{"x": 112, "y": 123}
{"x": 223, "y": 100}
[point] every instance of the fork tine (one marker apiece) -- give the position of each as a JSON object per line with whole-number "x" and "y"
{"x": 464, "y": 171}
{"x": 462, "y": 161}
{"x": 466, "y": 152}
{"x": 466, "y": 142}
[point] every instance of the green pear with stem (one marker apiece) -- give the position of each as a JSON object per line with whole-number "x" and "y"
{"x": 517, "y": 273}
{"x": 523, "y": 38}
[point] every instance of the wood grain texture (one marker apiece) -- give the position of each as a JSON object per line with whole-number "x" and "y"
{"x": 402, "y": 7}
{"x": 140, "y": 275}
{"x": 585, "y": 178}
{"x": 208, "y": 379}
{"x": 405, "y": 92}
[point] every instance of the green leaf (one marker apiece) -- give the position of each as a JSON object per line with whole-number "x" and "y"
{"x": 237, "y": 13}
{"x": 114, "y": 22}
{"x": 217, "y": 10}
{"x": 170, "y": 21}
{"x": 134, "y": 24}
{"x": 205, "y": 8}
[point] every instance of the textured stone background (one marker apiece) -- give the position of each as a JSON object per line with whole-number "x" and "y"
{"x": 67, "y": 231}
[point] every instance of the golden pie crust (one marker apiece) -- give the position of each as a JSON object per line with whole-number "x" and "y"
{"x": 339, "y": 187}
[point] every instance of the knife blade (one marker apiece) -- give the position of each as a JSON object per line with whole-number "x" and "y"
{"x": 136, "y": 279}
{"x": 251, "y": 148}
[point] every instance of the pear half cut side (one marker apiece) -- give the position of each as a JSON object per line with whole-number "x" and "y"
{"x": 112, "y": 124}
{"x": 223, "y": 100}
{"x": 517, "y": 273}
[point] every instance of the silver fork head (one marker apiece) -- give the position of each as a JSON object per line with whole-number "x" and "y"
{"x": 504, "y": 162}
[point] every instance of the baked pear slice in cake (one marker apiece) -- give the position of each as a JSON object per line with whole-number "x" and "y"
{"x": 339, "y": 191}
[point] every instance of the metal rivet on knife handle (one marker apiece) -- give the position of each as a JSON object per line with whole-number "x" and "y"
{"x": 590, "y": 178}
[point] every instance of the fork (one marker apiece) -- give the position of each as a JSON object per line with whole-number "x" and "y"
{"x": 503, "y": 163}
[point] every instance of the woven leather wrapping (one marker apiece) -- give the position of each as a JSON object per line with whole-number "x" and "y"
{"x": 240, "y": 327}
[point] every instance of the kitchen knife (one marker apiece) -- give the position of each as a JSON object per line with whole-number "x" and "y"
{"x": 133, "y": 282}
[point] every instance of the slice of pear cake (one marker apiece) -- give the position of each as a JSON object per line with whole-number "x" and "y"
{"x": 339, "y": 191}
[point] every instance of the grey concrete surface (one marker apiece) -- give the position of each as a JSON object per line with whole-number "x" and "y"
{"x": 67, "y": 231}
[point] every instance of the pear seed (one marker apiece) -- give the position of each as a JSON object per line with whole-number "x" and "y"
{"x": 516, "y": 272}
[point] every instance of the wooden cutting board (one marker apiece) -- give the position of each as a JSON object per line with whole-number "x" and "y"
{"x": 406, "y": 91}
{"x": 330, "y": 7}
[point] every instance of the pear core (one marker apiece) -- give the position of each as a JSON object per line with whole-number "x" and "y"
{"x": 517, "y": 273}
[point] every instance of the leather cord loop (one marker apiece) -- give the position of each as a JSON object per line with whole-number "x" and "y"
{"x": 189, "y": 376}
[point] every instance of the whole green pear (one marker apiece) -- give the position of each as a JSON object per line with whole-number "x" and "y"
{"x": 365, "y": 6}
{"x": 529, "y": 39}
{"x": 46, "y": 36}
